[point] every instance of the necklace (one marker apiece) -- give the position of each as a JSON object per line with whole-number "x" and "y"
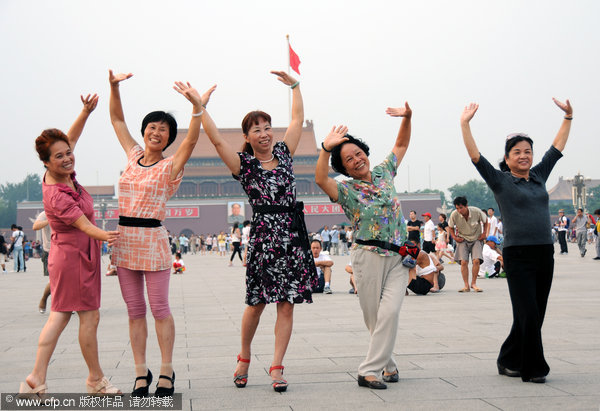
{"x": 269, "y": 160}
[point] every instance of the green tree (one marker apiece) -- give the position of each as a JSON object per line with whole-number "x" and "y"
{"x": 478, "y": 194}
{"x": 566, "y": 205}
{"x": 593, "y": 200}
{"x": 30, "y": 189}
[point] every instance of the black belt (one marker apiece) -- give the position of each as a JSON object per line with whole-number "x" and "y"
{"x": 381, "y": 244}
{"x": 406, "y": 249}
{"x": 298, "y": 224}
{"x": 138, "y": 222}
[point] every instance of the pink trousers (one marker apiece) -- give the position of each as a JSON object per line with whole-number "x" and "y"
{"x": 132, "y": 289}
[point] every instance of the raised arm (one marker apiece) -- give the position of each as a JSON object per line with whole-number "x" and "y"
{"x": 183, "y": 153}
{"x": 83, "y": 224}
{"x": 403, "y": 138}
{"x": 224, "y": 149}
{"x": 560, "y": 141}
{"x": 294, "y": 131}
{"x": 468, "y": 139}
{"x": 117, "y": 118}
{"x": 89, "y": 104}
{"x": 328, "y": 184}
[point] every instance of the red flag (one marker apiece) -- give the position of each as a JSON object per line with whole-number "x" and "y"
{"x": 294, "y": 60}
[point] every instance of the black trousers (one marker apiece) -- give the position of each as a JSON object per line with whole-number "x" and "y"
{"x": 236, "y": 249}
{"x": 429, "y": 246}
{"x": 529, "y": 272}
{"x": 562, "y": 240}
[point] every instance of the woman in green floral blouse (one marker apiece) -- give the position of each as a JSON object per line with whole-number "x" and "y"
{"x": 370, "y": 202}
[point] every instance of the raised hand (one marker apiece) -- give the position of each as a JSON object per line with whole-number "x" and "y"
{"x": 284, "y": 77}
{"x": 115, "y": 79}
{"x": 188, "y": 92}
{"x": 335, "y": 137}
{"x": 400, "y": 111}
{"x": 566, "y": 107}
{"x": 207, "y": 94}
{"x": 89, "y": 102}
{"x": 469, "y": 112}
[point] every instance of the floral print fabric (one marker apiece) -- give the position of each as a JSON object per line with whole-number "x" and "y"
{"x": 279, "y": 268}
{"x": 373, "y": 207}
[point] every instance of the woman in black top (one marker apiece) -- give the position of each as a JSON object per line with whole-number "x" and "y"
{"x": 521, "y": 194}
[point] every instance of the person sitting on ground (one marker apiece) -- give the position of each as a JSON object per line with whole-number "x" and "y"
{"x": 178, "y": 264}
{"x": 426, "y": 276}
{"x": 492, "y": 260}
{"x": 323, "y": 263}
{"x": 354, "y": 289}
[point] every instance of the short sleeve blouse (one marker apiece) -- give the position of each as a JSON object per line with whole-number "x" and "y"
{"x": 143, "y": 193}
{"x": 373, "y": 207}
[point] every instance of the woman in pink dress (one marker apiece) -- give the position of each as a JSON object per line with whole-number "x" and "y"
{"x": 74, "y": 259}
{"x": 142, "y": 252}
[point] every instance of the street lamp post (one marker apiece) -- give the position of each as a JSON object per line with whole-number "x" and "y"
{"x": 579, "y": 192}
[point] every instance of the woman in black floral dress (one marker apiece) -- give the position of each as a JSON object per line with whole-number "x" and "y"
{"x": 280, "y": 265}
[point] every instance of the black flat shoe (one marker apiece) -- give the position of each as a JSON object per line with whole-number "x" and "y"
{"x": 537, "y": 380}
{"x": 375, "y": 384}
{"x": 163, "y": 391}
{"x": 392, "y": 377}
{"x": 508, "y": 372}
{"x": 142, "y": 391}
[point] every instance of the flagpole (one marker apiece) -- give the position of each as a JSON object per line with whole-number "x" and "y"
{"x": 287, "y": 36}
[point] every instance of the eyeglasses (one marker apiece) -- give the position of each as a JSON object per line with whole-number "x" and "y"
{"x": 513, "y": 135}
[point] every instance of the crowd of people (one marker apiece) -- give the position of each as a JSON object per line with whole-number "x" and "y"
{"x": 285, "y": 264}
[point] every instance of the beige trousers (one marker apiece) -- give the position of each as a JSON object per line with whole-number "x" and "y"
{"x": 381, "y": 283}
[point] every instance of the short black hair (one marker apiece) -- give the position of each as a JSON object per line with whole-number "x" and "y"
{"x": 317, "y": 241}
{"x": 460, "y": 201}
{"x": 491, "y": 208}
{"x": 336, "y": 157}
{"x": 161, "y": 117}
{"x": 597, "y": 212}
{"x": 510, "y": 143}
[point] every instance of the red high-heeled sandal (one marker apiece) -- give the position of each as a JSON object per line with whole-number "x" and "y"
{"x": 241, "y": 380}
{"x": 278, "y": 385}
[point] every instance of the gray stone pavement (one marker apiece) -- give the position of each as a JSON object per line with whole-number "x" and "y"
{"x": 446, "y": 348}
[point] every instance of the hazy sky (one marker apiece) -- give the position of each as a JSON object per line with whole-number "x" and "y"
{"x": 358, "y": 57}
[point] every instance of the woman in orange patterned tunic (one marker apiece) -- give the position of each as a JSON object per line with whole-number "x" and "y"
{"x": 142, "y": 252}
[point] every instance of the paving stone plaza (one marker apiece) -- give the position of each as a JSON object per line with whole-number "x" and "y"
{"x": 446, "y": 348}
